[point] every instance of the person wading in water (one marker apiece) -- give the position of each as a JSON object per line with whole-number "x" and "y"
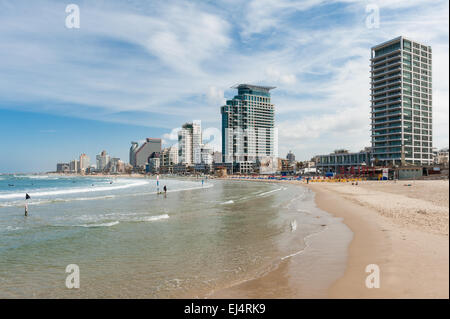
{"x": 26, "y": 205}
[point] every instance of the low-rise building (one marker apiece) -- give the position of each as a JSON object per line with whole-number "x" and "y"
{"x": 228, "y": 167}
{"x": 217, "y": 157}
{"x": 441, "y": 157}
{"x": 74, "y": 166}
{"x": 116, "y": 166}
{"x": 153, "y": 165}
{"x": 290, "y": 157}
{"x": 286, "y": 166}
{"x": 343, "y": 161}
{"x": 63, "y": 168}
{"x": 206, "y": 155}
{"x": 169, "y": 156}
{"x": 267, "y": 165}
{"x": 409, "y": 172}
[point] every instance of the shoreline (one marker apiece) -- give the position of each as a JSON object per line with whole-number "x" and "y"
{"x": 378, "y": 238}
{"x": 400, "y": 226}
{"x": 306, "y": 273}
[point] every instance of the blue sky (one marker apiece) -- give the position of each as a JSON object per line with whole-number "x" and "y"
{"x": 137, "y": 69}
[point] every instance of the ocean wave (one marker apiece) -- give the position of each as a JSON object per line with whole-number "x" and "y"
{"x": 10, "y": 204}
{"x": 270, "y": 192}
{"x": 12, "y": 228}
{"x": 73, "y": 190}
{"x": 253, "y": 196}
{"x": 49, "y": 192}
{"x": 92, "y": 198}
{"x": 152, "y": 218}
{"x": 99, "y": 225}
{"x": 105, "y": 219}
{"x": 52, "y": 201}
{"x": 47, "y": 177}
{"x": 37, "y": 176}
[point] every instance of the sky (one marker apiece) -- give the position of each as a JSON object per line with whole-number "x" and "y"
{"x": 137, "y": 69}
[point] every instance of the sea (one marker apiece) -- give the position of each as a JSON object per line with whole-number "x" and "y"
{"x": 129, "y": 240}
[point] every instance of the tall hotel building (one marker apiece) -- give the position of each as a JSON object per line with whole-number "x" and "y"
{"x": 190, "y": 143}
{"x": 248, "y": 126}
{"x": 401, "y": 105}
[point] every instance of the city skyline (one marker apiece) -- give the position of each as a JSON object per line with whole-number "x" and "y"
{"x": 320, "y": 104}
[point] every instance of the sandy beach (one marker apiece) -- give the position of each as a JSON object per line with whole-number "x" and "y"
{"x": 240, "y": 231}
{"x": 400, "y": 226}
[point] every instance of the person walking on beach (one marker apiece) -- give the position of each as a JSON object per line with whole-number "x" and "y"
{"x": 165, "y": 190}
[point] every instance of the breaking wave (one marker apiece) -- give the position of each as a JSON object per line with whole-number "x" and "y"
{"x": 72, "y": 190}
{"x": 99, "y": 225}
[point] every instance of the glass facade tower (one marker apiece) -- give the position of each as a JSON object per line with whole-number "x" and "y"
{"x": 248, "y": 125}
{"x": 401, "y": 103}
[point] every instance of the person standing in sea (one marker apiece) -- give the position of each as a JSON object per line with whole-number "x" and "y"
{"x": 26, "y": 205}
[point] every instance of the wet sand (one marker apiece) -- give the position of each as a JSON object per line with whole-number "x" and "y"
{"x": 402, "y": 229}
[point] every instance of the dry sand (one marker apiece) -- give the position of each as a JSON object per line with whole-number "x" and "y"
{"x": 402, "y": 229}
{"x": 421, "y": 205}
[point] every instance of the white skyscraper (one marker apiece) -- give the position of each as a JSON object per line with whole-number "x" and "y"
{"x": 190, "y": 143}
{"x": 84, "y": 163}
{"x": 402, "y": 102}
{"x": 197, "y": 142}
{"x": 102, "y": 161}
{"x": 74, "y": 166}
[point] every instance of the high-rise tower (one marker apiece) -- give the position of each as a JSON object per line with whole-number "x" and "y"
{"x": 401, "y": 103}
{"x": 190, "y": 143}
{"x": 248, "y": 125}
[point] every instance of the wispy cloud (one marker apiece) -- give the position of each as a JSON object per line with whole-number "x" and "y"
{"x": 163, "y": 63}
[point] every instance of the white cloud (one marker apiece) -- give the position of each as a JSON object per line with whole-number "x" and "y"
{"x": 276, "y": 76}
{"x": 173, "y": 135}
{"x": 212, "y": 137}
{"x": 171, "y": 60}
{"x": 215, "y": 96}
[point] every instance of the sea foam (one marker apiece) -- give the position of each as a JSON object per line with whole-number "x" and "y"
{"x": 270, "y": 192}
{"x": 153, "y": 218}
{"x": 72, "y": 190}
{"x": 99, "y": 225}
